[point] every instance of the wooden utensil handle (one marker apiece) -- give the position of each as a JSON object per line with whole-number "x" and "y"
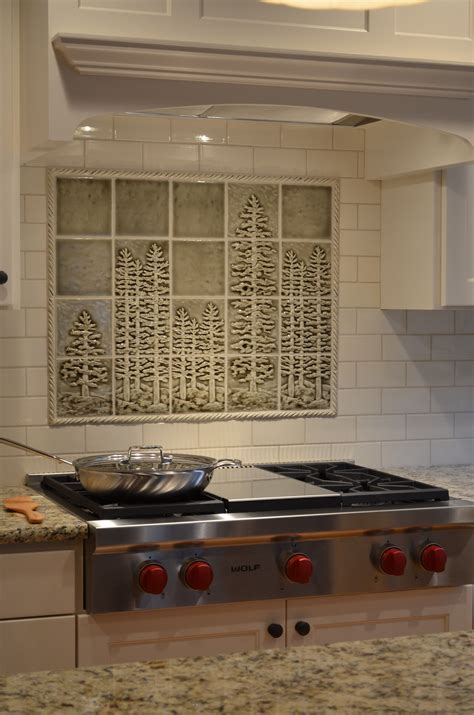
{"x": 26, "y": 508}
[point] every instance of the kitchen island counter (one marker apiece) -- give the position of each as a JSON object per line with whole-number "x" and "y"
{"x": 459, "y": 480}
{"x": 58, "y": 524}
{"x": 416, "y": 674}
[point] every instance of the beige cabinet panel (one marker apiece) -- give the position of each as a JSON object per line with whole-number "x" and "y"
{"x": 37, "y": 583}
{"x": 178, "y": 632}
{"x": 387, "y": 615}
{"x": 37, "y": 644}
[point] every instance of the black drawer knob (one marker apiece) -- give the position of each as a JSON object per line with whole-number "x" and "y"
{"x": 275, "y": 630}
{"x": 3, "y": 278}
{"x": 302, "y": 628}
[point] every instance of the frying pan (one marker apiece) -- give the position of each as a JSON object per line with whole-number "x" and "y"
{"x": 140, "y": 473}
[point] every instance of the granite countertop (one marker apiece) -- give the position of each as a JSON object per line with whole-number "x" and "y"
{"x": 416, "y": 674}
{"x": 458, "y": 479}
{"x": 58, "y": 524}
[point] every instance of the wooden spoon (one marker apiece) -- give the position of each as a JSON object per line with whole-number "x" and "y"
{"x": 24, "y": 505}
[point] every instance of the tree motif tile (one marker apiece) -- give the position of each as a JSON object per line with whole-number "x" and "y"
{"x": 207, "y": 300}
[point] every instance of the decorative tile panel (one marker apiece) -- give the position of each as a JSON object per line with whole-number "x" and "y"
{"x": 177, "y": 297}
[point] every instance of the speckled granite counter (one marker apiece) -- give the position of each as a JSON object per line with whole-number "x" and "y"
{"x": 459, "y": 480}
{"x": 58, "y": 524}
{"x": 421, "y": 674}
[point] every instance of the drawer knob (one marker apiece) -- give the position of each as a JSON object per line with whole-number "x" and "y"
{"x": 275, "y": 630}
{"x": 3, "y": 278}
{"x": 302, "y": 628}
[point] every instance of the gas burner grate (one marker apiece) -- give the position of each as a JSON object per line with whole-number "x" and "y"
{"x": 359, "y": 485}
{"x": 71, "y": 492}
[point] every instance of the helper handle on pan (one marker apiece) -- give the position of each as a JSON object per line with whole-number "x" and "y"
{"x": 12, "y": 443}
{"x": 227, "y": 463}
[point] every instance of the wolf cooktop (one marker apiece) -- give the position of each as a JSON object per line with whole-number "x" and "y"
{"x": 261, "y": 488}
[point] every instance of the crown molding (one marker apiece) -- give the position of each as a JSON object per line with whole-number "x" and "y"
{"x": 185, "y": 62}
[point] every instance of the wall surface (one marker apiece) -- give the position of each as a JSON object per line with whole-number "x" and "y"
{"x": 405, "y": 379}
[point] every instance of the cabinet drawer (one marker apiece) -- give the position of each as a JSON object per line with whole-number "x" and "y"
{"x": 37, "y": 644}
{"x": 39, "y": 583}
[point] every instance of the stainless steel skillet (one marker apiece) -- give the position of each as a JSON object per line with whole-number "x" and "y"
{"x": 140, "y": 473}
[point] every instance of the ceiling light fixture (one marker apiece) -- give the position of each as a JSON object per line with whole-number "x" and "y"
{"x": 344, "y": 4}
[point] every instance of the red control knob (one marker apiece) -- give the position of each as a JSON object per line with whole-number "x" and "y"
{"x": 433, "y": 558}
{"x": 393, "y": 561}
{"x": 153, "y": 579}
{"x": 299, "y": 568}
{"x": 198, "y": 575}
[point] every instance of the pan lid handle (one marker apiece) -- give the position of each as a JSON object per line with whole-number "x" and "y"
{"x": 152, "y": 454}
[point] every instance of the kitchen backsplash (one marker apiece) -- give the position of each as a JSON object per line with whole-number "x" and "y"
{"x": 406, "y": 379}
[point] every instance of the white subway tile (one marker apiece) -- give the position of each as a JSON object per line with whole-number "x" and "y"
{"x": 430, "y": 426}
{"x": 464, "y": 321}
{"x": 346, "y": 374}
{"x": 22, "y": 352}
{"x": 360, "y": 191}
{"x": 58, "y": 440}
{"x": 33, "y": 237}
{"x": 380, "y": 374}
{"x": 430, "y": 321}
{"x": 36, "y": 381}
{"x": 254, "y": 455}
{"x": 226, "y": 434}
{"x": 378, "y": 322}
{"x": 367, "y": 454}
{"x": 113, "y": 155}
{"x": 36, "y": 322}
{"x": 404, "y": 454}
{"x": 12, "y": 323}
{"x": 35, "y": 265}
{"x": 170, "y": 157}
{"x": 348, "y": 138}
{"x": 348, "y": 269}
{"x": 368, "y": 269}
{"x": 369, "y": 217}
{"x": 12, "y": 382}
{"x": 19, "y": 411}
{"x": 33, "y": 294}
{"x": 306, "y": 137}
{"x": 199, "y": 131}
{"x": 278, "y": 431}
{"x": 248, "y": 133}
{"x": 406, "y": 347}
{"x": 452, "y": 399}
{"x": 22, "y": 209}
{"x": 35, "y": 209}
{"x": 226, "y": 159}
{"x": 402, "y": 400}
{"x": 359, "y": 295}
{"x": 32, "y": 180}
{"x": 332, "y": 163}
{"x": 452, "y": 451}
{"x": 452, "y": 347}
{"x": 95, "y": 128}
{"x": 22, "y": 266}
{"x": 145, "y": 129}
{"x": 306, "y": 453}
{"x": 463, "y": 425}
{"x": 431, "y": 374}
{"x": 321, "y": 430}
{"x": 14, "y": 469}
{"x": 348, "y": 216}
{"x": 69, "y": 155}
{"x": 172, "y": 436}
{"x": 360, "y": 347}
{"x": 360, "y": 243}
{"x": 381, "y": 427}
{"x": 279, "y": 162}
{"x": 105, "y": 438}
{"x": 464, "y": 373}
{"x": 359, "y": 402}
{"x": 347, "y": 321}
{"x": 17, "y": 434}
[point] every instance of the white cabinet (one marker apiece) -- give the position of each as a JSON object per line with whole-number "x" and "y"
{"x": 32, "y": 644}
{"x": 348, "y": 618}
{"x": 179, "y": 632}
{"x": 9, "y": 154}
{"x": 427, "y": 246}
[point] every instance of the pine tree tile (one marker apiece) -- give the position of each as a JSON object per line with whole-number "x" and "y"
{"x": 253, "y": 325}
{"x": 70, "y": 325}
{"x": 142, "y": 383}
{"x": 252, "y": 383}
{"x": 141, "y": 268}
{"x": 198, "y": 383}
{"x": 84, "y": 386}
{"x": 253, "y": 268}
{"x": 253, "y": 210}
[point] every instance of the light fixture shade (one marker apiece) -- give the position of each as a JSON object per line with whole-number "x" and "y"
{"x": 343, "y": 4}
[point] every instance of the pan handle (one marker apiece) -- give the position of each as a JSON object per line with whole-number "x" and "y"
{"x": 227, "y": 463}
{"x": 34, "y": 450}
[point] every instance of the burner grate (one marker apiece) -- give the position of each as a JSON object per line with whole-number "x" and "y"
{"x": 359, "y": 485}
{"x": 71, "y": 491}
